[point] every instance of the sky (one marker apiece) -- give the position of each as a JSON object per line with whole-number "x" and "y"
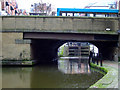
{"x": 25, "y": 4}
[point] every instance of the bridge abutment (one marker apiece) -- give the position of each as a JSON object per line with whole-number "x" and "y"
{"x": 14, "y": 47}
{"x": 108, "y": 49}
{"x": 109, "y": 53}
{"x": 52, "y": 30}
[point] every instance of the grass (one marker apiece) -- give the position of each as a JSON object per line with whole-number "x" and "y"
{"x": 98, "y": 67}
{"x": 109, "y": 80}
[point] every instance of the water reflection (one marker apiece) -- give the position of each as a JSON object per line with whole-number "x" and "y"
{"x": 73, "y": 66}
{"x": 16, "y": 77}
{"x": 50, "y": 76}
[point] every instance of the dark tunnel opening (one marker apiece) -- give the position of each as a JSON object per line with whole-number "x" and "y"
{"x": 109, "y": 49}
{"x": 46, "y": 50}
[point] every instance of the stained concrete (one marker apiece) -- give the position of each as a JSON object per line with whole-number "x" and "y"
{"x": 58, "y": 24}
{"x": 15, "y": 27}
{"x": 13, "y": 51}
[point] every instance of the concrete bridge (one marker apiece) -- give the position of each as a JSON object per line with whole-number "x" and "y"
{"x": 35, "y": 37}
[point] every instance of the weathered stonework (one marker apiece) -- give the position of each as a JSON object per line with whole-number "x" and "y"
{"x": 8, "y": 23}
{"x": 58, "y": 24}
{"x": 13, "y": 51}
{"x": 13, "y": 27}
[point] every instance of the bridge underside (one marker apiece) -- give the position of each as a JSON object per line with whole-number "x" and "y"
{"x": 44, "y": 46}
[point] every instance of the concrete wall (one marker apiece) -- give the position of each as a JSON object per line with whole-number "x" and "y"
{"x": 59, "y": 24}
{"x": 13, "y": 51}
{"x": 12, "y": 28}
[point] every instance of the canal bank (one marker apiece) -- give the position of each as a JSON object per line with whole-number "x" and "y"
{"x": 17, "y": 62}
{"x": 110, "y": 80}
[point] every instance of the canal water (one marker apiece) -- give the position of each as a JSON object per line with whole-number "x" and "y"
{"x": 67, "y": 74}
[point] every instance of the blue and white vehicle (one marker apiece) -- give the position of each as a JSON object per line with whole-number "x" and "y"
{"x": 87, "y": 12}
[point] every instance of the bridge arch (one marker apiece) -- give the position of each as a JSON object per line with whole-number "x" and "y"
{"x": 44, "y": 46}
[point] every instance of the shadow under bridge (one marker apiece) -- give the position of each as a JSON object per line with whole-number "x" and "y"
{"x": 44, "y": 45}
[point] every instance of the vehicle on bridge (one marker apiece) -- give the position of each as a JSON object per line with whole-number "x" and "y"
{"x": 87, "y": 12}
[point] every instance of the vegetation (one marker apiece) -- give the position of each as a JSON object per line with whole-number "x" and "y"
{"x": 60, "y": 52}
{"x": 109, "y": 80}
{"x": 98, "y": 67}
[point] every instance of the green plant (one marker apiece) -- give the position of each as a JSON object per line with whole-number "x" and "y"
{"x": 61, "y": 50}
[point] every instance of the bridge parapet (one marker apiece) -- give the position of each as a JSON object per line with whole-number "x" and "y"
{"x": 59, "y": 24}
